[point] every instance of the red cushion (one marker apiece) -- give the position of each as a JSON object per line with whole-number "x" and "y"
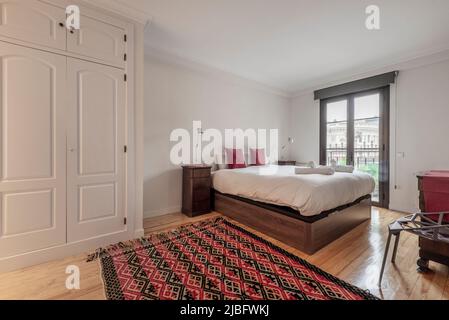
{"x": 235, "y": 158}
{"x": 258, "y": 157}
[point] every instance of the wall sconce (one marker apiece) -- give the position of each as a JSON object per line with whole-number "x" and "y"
{"x": 290, "y": 141}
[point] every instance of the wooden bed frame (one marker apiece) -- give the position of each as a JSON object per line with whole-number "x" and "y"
{"x": 294, "y": 230}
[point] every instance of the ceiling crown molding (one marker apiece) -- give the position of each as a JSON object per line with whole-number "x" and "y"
{"x": 122, "y": 9}
{"x": 155, "y": 53}
{"x": 417, "y": 61}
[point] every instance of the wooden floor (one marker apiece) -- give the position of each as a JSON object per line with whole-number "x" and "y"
{"x": 355, "y": 257}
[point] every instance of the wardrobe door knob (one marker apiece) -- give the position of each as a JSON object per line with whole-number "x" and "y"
{"x": 61, "y": 24}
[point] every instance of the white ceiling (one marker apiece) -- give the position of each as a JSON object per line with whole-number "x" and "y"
{"x": 295, "y": 44}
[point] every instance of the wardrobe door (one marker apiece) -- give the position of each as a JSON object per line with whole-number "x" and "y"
{"x": 32, "y": 150}
{"x": 33, "y": 21}
{"x": 96, "y": 156}
{"x": 98, "y": 40}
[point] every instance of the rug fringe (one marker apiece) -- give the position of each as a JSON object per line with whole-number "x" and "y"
{"x": 141, "y": 242}
{"x": 110, "y": 250}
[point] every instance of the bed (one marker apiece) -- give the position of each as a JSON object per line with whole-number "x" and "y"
{"x": 306, "y": 212}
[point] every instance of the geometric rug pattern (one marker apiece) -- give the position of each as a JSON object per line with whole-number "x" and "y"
{"x": 214, "y": 260}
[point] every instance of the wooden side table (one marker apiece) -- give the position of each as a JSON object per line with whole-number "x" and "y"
{"x": 286, "y": 163}
{"x": 428, "y": 249}
{"x": 196, "y": 190}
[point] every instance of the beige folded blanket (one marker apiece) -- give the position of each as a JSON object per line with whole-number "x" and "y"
{"x": 341, "y": 168}
{"x": 347, "y": 169}
{"x": 328, "y": 171}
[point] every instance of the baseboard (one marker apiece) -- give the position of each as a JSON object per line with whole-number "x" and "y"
{"x": 139, "y": 233}
{"x": 401, "y": 209}
{"x": 60, "y": 252}
{"x": 161, "y": 212}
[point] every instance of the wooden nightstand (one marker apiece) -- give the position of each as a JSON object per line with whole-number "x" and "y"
{"x": 196, "y": 190}
{"x": 286, "y": 163}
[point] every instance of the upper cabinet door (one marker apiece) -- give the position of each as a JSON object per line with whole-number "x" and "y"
{"x": 33, "y": 21}
{"x": 98, "y": 40}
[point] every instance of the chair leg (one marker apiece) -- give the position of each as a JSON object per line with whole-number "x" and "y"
{"x": 395, "y": 250}
{"x": 387, "y": 247}
{"x": 423, "y": 265}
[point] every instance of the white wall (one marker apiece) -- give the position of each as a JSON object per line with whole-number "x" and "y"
{"x": 304, "y": 126}
{"x": 421, "y": 127}
{"x": 176, "y": 95}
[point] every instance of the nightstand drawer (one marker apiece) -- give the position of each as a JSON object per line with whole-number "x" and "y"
{"x": 201, "y": 191}
{"x": 201, "y": 173}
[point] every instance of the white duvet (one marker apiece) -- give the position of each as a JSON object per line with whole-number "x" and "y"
{"x": 279, "y": 185}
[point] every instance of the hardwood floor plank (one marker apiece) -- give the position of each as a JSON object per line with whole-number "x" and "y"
{"x": 445, "y": 294}
{"x": 355, "y": 257}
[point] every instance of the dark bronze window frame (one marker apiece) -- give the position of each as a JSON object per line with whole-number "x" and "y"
{"x": 384, "y": 138}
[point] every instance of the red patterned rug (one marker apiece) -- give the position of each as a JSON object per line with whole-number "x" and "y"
{"x": 214, "y": 260}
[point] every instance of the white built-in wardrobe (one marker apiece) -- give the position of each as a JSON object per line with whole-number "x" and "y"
{"x": 63, "y": 119}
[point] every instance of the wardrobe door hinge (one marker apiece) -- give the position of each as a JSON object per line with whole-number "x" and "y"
{"x": 124, "y": 221}
{"x": 125, "y": 57}
{"x": 125, "y": 149}
{"x": 125, "y": 38}
{"x": 125, "y": 77}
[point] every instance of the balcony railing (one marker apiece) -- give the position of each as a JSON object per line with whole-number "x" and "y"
{"x": 365, "y": 160}
{"x": 362, "y": 156}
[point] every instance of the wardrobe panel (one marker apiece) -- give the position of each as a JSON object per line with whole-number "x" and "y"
{"x": 97, "y": 115}
{"x": 96, "y": 158}
{"x": 98, "y": 40}
{"x": 34, "y": 22}
{"x": 97, "y": 202}
{"x": 32, "y": 150}
{"x": 16, "y": 208}
{"x": 31, "y": 110}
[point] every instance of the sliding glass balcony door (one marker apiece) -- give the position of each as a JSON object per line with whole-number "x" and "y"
{"x": 354, "y": 131}
{"x": 337, "y": 133}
